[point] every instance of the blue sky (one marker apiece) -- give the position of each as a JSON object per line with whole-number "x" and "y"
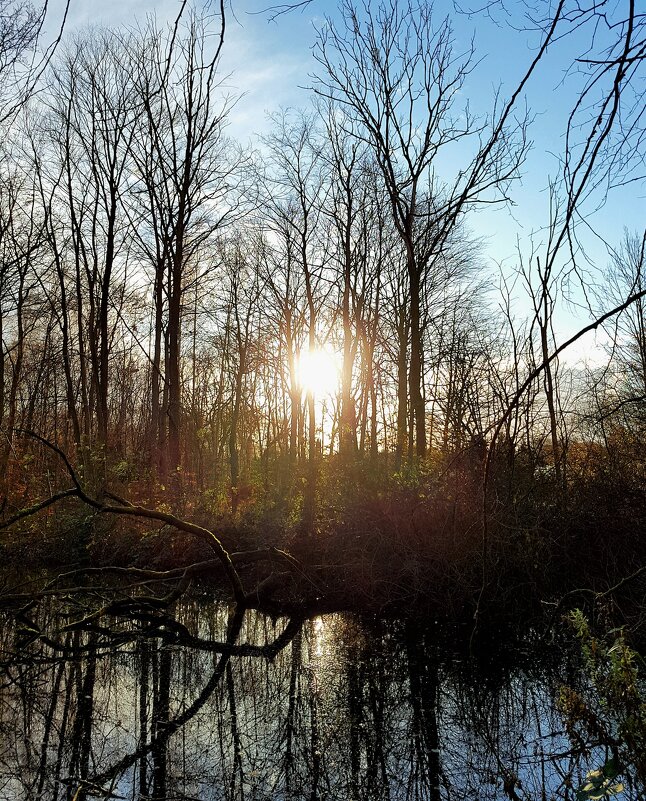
{"x": 271, "y": 62}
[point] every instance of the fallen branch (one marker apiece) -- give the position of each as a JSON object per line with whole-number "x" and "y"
{"x": 126, "y": 508}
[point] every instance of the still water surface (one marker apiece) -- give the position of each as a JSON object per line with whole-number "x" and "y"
{"x": 212, "y": 705}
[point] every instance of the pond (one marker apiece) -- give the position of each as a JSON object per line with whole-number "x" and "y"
{"x": 102, "y": 698}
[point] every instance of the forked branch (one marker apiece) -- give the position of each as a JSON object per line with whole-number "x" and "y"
{"x": 125, "y": 508}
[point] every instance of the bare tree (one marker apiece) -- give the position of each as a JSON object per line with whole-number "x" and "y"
{"x": 91, "y": 126}
{"x": 395, "y": 70}
{"x": 284, "y": 292}
{"x": 242, "y": 316}
{"x": 294, "y": 202}
{"x": 189, "y": 172}
{"x": 346, "y": 205}
{"x": 22, "y": 63}
{"x": 624, "y": 380}
{"x": 21, "y": 245}
{"x": 299, "y": 185}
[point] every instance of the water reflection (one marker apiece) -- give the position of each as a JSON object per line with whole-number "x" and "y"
{"x": 217, "y": 704}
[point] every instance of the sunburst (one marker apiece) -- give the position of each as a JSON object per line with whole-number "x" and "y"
{"x": 319, "y": 371}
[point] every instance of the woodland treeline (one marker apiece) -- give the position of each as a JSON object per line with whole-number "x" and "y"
{"x": 159, "y": 281}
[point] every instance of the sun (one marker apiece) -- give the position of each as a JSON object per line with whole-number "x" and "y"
{"x": 318, "y": 371}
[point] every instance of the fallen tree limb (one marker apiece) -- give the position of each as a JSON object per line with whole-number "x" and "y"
{"x": 131, "y": 510}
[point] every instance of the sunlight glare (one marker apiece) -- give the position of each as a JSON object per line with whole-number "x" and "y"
{"x": 319, "y": 371}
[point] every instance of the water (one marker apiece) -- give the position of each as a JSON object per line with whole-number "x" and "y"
{"x": 200, "y": 703}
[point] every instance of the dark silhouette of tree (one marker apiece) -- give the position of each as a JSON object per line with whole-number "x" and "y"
{"x": 22, "y": 59}
{"x": 189, "y": 172}
{"x": 393, "y": 69}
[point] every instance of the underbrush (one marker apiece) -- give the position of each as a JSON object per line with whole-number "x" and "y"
{"x": 383, "y": 539}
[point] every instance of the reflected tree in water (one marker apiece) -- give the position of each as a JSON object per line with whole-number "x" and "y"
{"x": 199, "y": 701}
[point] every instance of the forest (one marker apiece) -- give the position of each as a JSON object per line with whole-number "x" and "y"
{"x": 306, "y": 489}
{"x": 298, "y": 351}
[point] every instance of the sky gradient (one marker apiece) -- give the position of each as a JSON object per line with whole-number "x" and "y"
{"x": 269, "y": 63}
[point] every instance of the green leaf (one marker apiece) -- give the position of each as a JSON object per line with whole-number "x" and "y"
{"x": 597, "y": 785}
